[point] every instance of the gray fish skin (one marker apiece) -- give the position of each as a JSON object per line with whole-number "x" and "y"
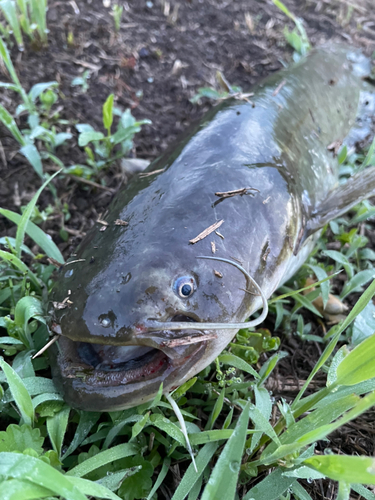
{"x": 277, "y": 145}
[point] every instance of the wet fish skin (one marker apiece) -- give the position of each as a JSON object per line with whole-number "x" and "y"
{"x": 278, "y": 147}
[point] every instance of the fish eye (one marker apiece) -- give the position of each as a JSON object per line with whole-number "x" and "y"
{"x": 184, "y": 286}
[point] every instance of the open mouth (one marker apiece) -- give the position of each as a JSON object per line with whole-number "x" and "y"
{"x": 104, "y": 365}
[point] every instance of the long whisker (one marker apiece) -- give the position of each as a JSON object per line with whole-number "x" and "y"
{"x": 174, "y": 325}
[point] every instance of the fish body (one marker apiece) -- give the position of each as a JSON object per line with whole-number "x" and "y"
{"x": 144, "y": 271}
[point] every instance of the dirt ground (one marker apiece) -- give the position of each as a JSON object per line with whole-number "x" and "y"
{"x": 165, "y": 51}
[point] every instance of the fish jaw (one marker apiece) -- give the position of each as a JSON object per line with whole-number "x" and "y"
{"x": 90, "y": 381}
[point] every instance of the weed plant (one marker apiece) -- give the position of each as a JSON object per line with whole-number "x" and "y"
{"x": 25, "y": 16}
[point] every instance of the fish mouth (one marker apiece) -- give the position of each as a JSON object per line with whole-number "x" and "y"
{"x": 132, "y": 370}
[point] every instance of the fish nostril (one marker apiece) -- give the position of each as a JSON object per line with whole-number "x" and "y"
{"x": 179, "y": 318}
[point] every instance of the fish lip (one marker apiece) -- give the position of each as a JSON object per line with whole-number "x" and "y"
{"x": 165, "y": 360}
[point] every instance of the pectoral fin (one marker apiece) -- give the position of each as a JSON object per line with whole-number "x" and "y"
{"x": 339, "y": 201}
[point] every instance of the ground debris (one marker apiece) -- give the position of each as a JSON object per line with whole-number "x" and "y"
{"x": 206, "y": 232}
{"x": 235, "y": 192}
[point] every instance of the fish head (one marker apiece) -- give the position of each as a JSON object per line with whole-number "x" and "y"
{"x": 110, "y": 307}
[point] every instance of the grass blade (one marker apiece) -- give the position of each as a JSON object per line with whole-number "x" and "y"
{"x": 21, "y": 230}
{"x": 36, "y": 234}
{"x": 19, "y": 392}
{"x": 191, "y": 477}
{"x": 8, "y": 120}
{"x": 160, "y": 479}
{"x": 221, "y": 484}
{"x": 103, "y": 458}
{"x": 16, "y": 262}
{"x": 9, "y": 9}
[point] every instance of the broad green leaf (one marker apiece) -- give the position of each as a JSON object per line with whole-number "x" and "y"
{"x": 108, "y": 113}
{"x": 18, "y": 466}
{"x": 349, "y": 469}
{"x": 30, "y": 152}
{"x": 358, "y": 366}
{"x": 19, "y": 392}
{"x": 39, "y": 88}
{"x": 84, "y": 127}
{"x": 223, "y": 479}
{"x": 19, "y": 438}
{"x": 10, "y": 341}
{"x": 103, "y": 458}
{"x": 27, "y": 308}
{"x": 241, "y": 364}
{"x": 34, "y": 386}
{"x": 86, "y": 137}
{"x": 138, "y": 485}
{"x": 43, "y": 398}
{"x": 37, "y": 234}
{"x": 56, "y": 427}
{"x": 191, "y": 476}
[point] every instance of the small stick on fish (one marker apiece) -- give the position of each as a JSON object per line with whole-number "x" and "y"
{"x": 220, "y": 235}
{"x": 41, "y": 351}
{"x": 119, "y": 222}
{"x": 74, "y": 261}
{"x": 278, "y": 88}
{"x": 206, "y": 232}
{"x": 147, "y": 174}
{"x": 235, "y": 192}
{"x": 213, "y": 247}
{"x": 103, "y": 222}
{"x": 178, "y": 413}
{"x": 188, "y": 340}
